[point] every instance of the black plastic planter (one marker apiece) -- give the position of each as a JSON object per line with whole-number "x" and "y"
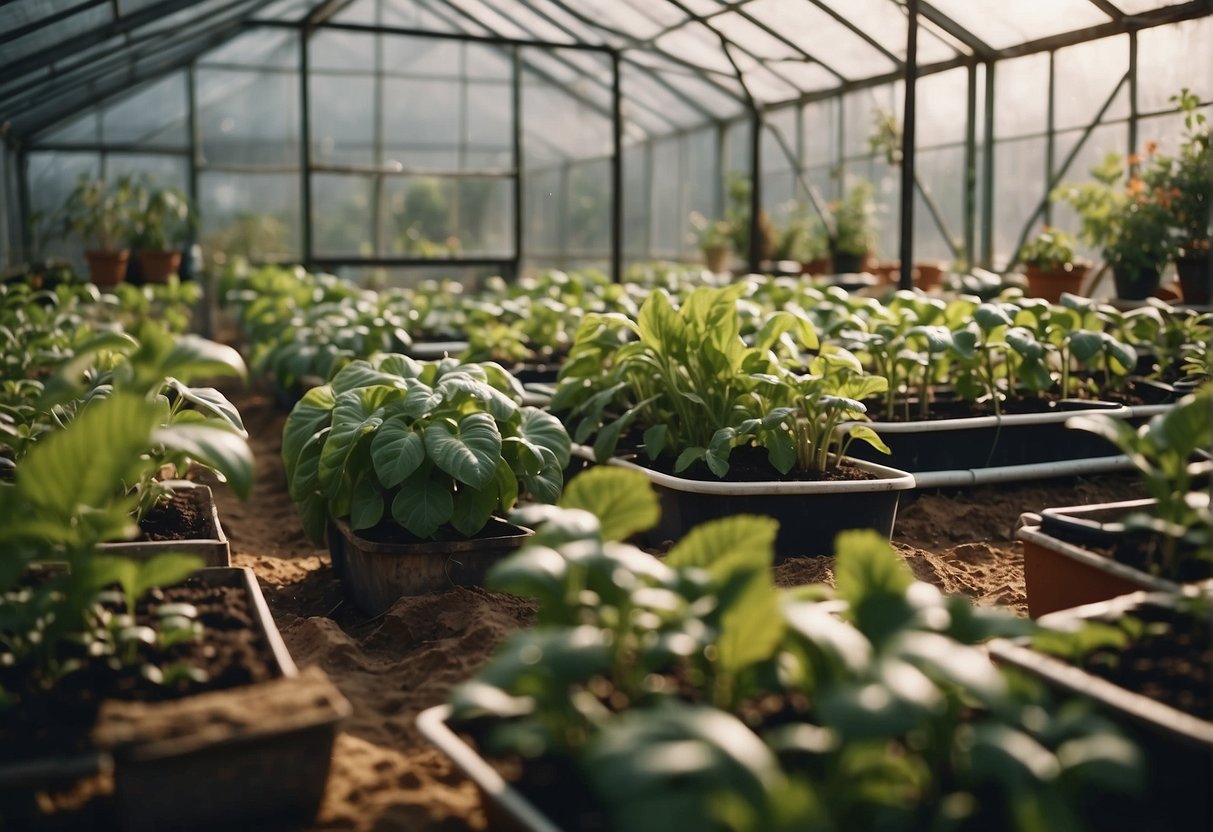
{"x": 1177, "y": 746}
{"x": 810, "y": 513}
{"x": 377, "y": 572}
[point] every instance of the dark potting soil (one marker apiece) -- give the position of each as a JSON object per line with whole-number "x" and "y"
{"x": 231, "y": 652}
{"x": 184, "y": 516}
{"x": 750, "y": 464}
{"x": 1171, "y": 662}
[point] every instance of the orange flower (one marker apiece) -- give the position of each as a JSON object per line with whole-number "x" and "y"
{"x": 1151, "y": 147}
{"x": 1136, "y": 186}
{"x": 1133, "y": 160}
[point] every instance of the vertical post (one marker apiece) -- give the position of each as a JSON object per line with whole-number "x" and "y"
{"x": 987, "y": 173}
{"x": 755, "y": 253}
{"x": 1133, "y": 112}
{"x": 205, "y": 278}
{"x": 191, "y": 97}
{"x": 970, "y": 193}
{"x": 1050, "y": 133}
{"x": 907, "y": 148}
{"x": 516, "y": 130}
{"x": 23, "y": 205}
{"x": 305, "y": 149}
{"x": 616, "y": 170}
{"x": 377, "y": 240}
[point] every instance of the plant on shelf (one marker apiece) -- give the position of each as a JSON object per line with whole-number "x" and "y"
{"x": 1127, "y": 213}
{"x": 803, "y": 238}
{"x": 101, "y": 215}
{"x": 163, "y": 223}
{"x": 690, "y": 692}
{"x": 1189, "y": 181}
{"x": 1052, "y": 265}
{"x": 432, "y": 448}
{"x": 851, "y": 230}
{"x": 715, "y": 239}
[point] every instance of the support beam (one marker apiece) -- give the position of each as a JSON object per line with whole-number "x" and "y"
{"x": 305, "y": 152}
{"x": 970, "y": 167}
{"x": 519, "y": 161}
{"x": 908, "y": 126}
{"x": 616, "y": 171}
{"x": 987, "y": 173}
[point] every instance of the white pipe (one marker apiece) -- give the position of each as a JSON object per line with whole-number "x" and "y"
{"x": 1015, "y": 473}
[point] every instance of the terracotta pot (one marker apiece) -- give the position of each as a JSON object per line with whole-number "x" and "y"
{"x": 820, "y": 265}
{"x": 156, "y": 266}
{"x": 889, "y": 271}
{"x": 1050, "y": 283}
{"x": 1136, "y": 284}
{"x": 928, "y": 276}
{"x": 1196, "y": 277}
{"x": 716, "y": 258}
{"x": 107, "y": 268}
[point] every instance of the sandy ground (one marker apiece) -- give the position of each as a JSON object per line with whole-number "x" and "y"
{"x": 385, "y": 776}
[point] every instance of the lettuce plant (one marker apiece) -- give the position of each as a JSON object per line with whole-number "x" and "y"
{"x": 434, "y": 446}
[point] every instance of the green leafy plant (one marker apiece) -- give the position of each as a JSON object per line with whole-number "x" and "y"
{"x": 689, "y": 692}
{"x": 1188, "y": 182}
{"x": 435, "y": 446}
{"x": 163, "y": 217}
{"x": 852, "y": 231}
{"x": 1170, "y": 454}
{"x": 100, "y": 213}
{"x": 1050, "y": 250}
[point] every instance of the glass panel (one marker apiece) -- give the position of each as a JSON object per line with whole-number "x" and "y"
{"x": 1177, "y": 56}
{"x": 942, "y": 109}
{"x": 823, "y": 37}
{"x": 338, "y": 50}
{"x": 435, "y": 217}
{"x": 51, "y": 177}
{"x": 737, "y": 148}
{"x": 697, "y": 45}
{"x": 48, "y": 37}
{"x": 258, "y": 47}
{"x": 1021, "y": 96}
{"x": 942, "y": 173}
{"x": 422, "y": 56}
{"x": 342, "y": 224}
{"x": 671, "y": 221}
{"x": 248, "y": 118}
{"x": 1086, "y": 75}
{"x": 808, "y": 77}
{"x": 860, "y": 110}
{"x": 588, "y": 228}
{"x": 740, "y": 31}
{"x": 288, "y": 10}
{"x": 1112, "y": 138}
{"x": 636, "y": 175}
{"x": 702, "y": 178}
{"x": 820, "y": 131}
{"x": 161, "y": 170}
{"x": 155, "y": 116}
{"x": 424, "y": 114}
{"x": 251, "y": 214}
{"x": 1019, "y": 168}
{"x": 1008, "y": 24}
{"x": 83, "y": 130}
{"x": 885, "y": 23}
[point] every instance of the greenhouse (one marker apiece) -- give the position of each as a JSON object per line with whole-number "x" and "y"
{"x": 731, "y": 415}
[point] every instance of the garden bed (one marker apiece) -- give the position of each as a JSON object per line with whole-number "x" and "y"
{"x": 385, "y": 775}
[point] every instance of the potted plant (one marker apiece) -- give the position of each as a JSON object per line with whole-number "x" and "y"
{"x": 164, "y": 221}
{"x": 1144, "y": 660}
{"x": 100, "y": 674}
{"x": 1189, "y": 185}
{"x": 412, "y": 464}
{"x": 1154, "y": 544}
{"x": 1051, "y": 265}
{"x": 682, "y": 389}
{"x": 689, "y": 692}
{"x": 1130, "y": 222}
{"x": 715, "y": 241}
{"x": 851, "y": 236}
{"x": 803, "y": 239}
{"x": 100, "y": 214}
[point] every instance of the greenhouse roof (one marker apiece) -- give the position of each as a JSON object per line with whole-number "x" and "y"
{"x": 686, "y": 61}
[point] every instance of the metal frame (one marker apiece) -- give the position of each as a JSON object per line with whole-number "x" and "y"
{"x": 141, "y": 57}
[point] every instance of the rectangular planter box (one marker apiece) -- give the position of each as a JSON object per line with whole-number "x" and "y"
{"x": 213, "y": 548}
{"x": 376, "y": 574}
{"x": 810, "y": 514}
{"x": 1178, "y": 746}
{"x": 1059, "y": 575}
{"x": 215, "y": 777}
{"x": 505, "y": 807}
{"x": 945, "y": 449}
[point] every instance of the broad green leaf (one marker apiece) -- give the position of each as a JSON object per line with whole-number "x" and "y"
{"x": 218, "y": 448}
{"x": 194, "y": 357}
{"x": 423, "y": 503}
{"x": 713, "y": 545}
{"x": 304, "y": 479}
{"x": 546, "y": 485}
{"x": 864, "y": 433}
{"x": 366, "y": 503}
{"x": 361, "y": 374}
{"x": 623, "y": 500}
{"x": 546, "y": 431}
{"x": 396, "y": 451}
{"x": 872, "y": 578}
{"x": 507, "y": 485}
{"x": 356, "y": 414}
{"x": 469, "y": 452}
{"x": 210, "y": 400}
{"x": 473, "y": 508}
{"x": 311, "y": 413}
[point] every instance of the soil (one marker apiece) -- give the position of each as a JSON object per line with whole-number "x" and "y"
{"x": 182, "y": 517}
